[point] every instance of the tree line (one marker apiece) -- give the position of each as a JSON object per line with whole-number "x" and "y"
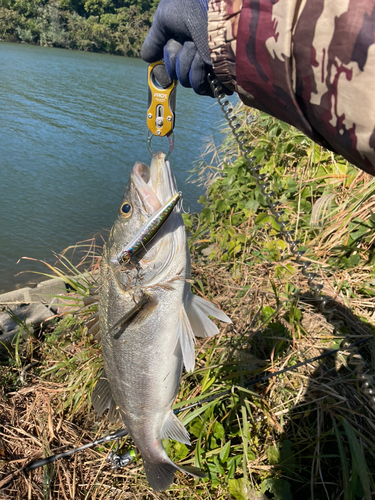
{"x": 114, "y": 26}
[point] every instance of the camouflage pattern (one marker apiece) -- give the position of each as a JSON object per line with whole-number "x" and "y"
{"x": 223, "y": 19}
{"x": 310, "y": 63}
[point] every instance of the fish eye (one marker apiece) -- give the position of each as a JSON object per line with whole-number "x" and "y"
{"x": 125, "y": 210}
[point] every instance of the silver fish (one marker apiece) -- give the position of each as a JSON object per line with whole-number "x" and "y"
{"x": 148, "y": 322}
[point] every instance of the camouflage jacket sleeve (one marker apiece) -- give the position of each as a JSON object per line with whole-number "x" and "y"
{"x": 310, "y": 63}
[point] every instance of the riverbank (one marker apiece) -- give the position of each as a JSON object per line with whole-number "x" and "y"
{"x": 306, "y": 432}
{"x": 95, "y": 26}
{"x": 27, "y": 310}
{"x": 265, "y": 433}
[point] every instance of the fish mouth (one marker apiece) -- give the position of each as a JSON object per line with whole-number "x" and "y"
{"x": 155, "y": 184}
{"x": 141, "y": 178}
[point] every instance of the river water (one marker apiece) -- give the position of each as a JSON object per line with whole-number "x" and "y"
{"x": 72, "y": 125}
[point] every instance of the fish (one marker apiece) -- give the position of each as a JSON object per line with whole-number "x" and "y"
{"x": 149, "y": 319}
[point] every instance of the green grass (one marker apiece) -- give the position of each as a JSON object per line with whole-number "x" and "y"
{"x": 304, "y": 434}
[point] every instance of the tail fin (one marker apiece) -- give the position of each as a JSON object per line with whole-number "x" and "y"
{"x": 160, "y": 475}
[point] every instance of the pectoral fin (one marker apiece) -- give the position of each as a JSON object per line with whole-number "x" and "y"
{"x": 198, "y": 310}
{"x": 139, "y": 301}
{"x": 144, "y": 313}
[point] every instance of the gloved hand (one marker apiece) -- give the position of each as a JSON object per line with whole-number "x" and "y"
{"x": 179, "y": 35}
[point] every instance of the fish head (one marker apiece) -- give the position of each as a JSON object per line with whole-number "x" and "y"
{"x": 149, "y": 189}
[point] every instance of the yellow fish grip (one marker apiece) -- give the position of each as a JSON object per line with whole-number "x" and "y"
{"x": 161, "y": 105}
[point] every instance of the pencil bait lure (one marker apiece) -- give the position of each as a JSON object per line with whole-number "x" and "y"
{"x": 149, "y": 231}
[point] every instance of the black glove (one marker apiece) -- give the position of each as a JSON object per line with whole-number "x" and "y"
{"x": 179, "y": 35}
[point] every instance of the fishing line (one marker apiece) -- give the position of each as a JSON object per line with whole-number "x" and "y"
{"x": 123, "y": 460}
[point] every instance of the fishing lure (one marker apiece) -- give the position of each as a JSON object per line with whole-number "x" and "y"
{"x": 148, "y": 232}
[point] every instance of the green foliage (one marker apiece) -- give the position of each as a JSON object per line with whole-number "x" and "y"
{"x": 59, "y": 345}
{"x": 302, "y": 434}
{"x": 330, "y": 207}
{"x": 175, "y": 450}
{"x": 95, "y": 7}
{"x": 114, "y": 26}
{"x": 360, "y": 468}
{"x": 278, "y": 487}
{"x": 239, "y": 488}
{"x": 321, "y": 196}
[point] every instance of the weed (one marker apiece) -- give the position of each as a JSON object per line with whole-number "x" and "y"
{"x": 305, "y": 434}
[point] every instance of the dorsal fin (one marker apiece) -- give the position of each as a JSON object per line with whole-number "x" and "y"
{"x": 102, "y": 399}
{"x": 173, "y": 429}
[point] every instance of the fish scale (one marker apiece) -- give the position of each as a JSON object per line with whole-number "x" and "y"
{"x": 148, "y": 322}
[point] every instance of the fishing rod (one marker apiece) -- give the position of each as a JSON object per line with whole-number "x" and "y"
{"x": 124, "y": 460}
{"x": 155, "y": 117}
{"x": 53, "y": 458}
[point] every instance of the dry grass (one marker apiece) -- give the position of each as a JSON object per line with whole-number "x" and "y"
{"x": 42, "y": 418}
{"x": 305, "y": 434}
